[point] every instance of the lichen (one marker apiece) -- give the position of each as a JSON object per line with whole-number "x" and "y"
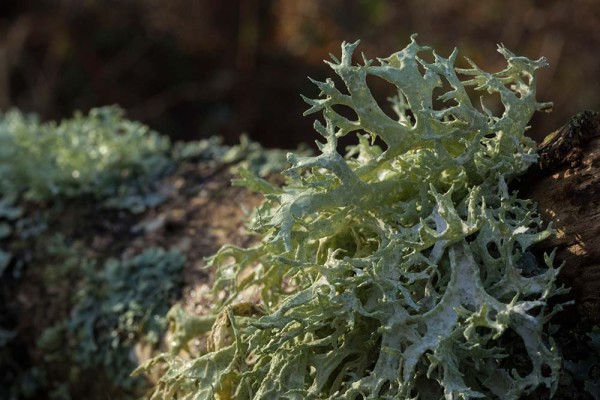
{"x": 401, "y": 268}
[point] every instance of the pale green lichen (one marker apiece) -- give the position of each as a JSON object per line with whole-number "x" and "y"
{"x": 399, "y": 270}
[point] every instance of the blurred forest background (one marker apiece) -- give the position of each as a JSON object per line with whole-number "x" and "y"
{"x": 196, "y": 68}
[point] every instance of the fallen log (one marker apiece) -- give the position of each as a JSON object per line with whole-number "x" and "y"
{"x": 566, "y": 185}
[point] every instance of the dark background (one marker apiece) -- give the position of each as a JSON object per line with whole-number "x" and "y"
{"x": 195, "y": 68}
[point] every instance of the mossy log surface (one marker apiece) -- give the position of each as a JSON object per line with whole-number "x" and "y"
{"x": 566, "y": 186}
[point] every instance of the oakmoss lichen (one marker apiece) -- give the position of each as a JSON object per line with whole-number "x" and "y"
{"x": 399, "y": 269}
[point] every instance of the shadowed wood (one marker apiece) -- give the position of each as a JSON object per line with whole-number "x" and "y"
{"x": 566, "y": 186}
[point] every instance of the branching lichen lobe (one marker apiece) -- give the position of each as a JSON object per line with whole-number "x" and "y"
{"x": 398, "y": 270}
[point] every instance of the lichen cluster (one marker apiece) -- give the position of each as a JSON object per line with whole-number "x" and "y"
{"x": 400, "y": 268}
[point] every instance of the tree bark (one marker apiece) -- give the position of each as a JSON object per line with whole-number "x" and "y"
{"x": 566, "y": 185}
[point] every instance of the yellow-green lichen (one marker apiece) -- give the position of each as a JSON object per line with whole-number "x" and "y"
{"x": 394, "y": 270}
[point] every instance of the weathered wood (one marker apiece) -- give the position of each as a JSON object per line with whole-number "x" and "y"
{"x": 566, "y": 186}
